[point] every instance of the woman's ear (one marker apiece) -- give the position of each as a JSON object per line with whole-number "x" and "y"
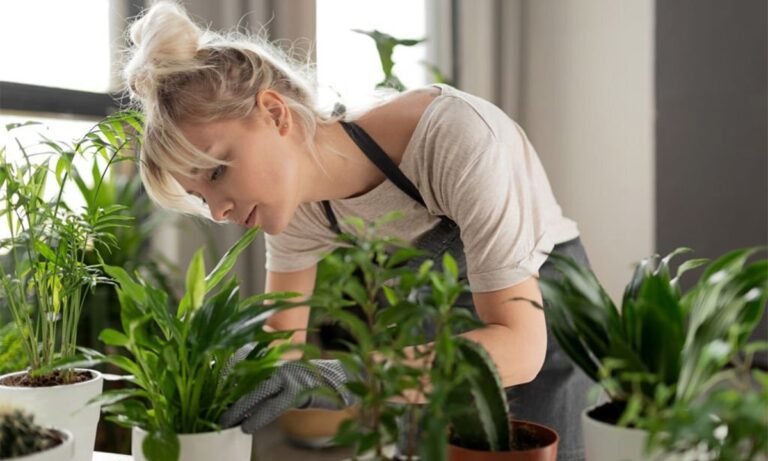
{"x": 273, "y": 106}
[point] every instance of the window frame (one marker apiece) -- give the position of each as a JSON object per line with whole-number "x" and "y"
{"x": 40, "y": 100}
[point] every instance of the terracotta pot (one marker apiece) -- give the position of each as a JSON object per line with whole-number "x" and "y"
{"x": 312, "y": 427}
{"x": 547, "y": 451}
{"x": 62, "y": 407}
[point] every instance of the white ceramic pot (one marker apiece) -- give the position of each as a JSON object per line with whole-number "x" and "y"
{"x": 62, "y": 407}
{"x": 608, "y": 442}
{"x": 65, "y": 451}
{"x": 230, "y": 445}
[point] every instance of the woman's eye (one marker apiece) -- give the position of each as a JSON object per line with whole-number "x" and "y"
{"x": 217, "y": 172}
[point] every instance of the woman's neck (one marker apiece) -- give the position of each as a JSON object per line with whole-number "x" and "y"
{"x": 341, "y": 169}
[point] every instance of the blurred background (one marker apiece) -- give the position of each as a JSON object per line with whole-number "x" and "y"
{"x": 651, "y": 117}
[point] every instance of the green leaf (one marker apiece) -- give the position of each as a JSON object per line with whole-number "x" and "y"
{"x": 450, "y": 265}
{"x": 228, "y": 260}
{"x": 161, "y": 446}
{"x": 195, "y": 286}
{"x": 113, "y": 337}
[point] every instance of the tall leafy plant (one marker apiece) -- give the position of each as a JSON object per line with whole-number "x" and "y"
{"x": 44, "y": 274}
{"x": 664, "y": 346}
{"x": 180, "y": 364}
{"x": 131, "y": 249}
{"x": 402, "y": 345}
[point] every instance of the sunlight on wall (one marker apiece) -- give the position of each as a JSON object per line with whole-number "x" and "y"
{"x": 348, "y": 65}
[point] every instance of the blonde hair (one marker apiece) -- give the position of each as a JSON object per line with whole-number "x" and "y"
{"x": 178, "y": 72}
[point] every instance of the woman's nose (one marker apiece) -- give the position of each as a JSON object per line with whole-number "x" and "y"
{"x": 221, "y": 209}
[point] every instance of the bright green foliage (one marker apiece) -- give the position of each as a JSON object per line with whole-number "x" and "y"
{"x": 43, "y": 272}
{"x": 12, "y": 357}
{"x": 484, "y": 423}
{"x": 726, "y": 422}
{"x": 131, "y": 249}
{"x": 179, "y": 363}
{"x": 385, "y": 45}
{"x": 664, "y": 346}
{"x": 399, "y": 293}
{"x": 20, "y": 436}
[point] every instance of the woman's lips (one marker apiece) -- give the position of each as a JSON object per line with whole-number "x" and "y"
{"x": 251, "y": 217}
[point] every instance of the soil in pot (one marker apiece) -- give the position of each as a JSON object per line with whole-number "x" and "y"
{"x": 533, "y": 442}
{"x": 56, "y": 378}
{"x": 529, "y": 437}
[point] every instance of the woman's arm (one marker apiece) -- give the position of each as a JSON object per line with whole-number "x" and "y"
{"x": 297, "y": 318}
{"x": 515, "y": 333}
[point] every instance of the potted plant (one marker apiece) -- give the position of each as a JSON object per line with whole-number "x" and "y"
{"x": 481, "y": 428}
{"x": 662, "y": 348}
{"x": 394, "y": 284}
{"x": 44, "y": 278}
{"x": 360, "y": 276}
{"x": 180, "y": 363}
{"x": 728, "y": 421}
{"x": 23, "y": 440}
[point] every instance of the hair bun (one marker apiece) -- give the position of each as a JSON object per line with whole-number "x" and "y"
{"x": 165, "y": 40}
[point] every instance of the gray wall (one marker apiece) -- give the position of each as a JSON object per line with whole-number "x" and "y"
{"x": 712, "y": 126}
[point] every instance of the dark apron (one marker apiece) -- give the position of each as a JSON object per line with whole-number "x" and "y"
{"x": 557, "y": 396}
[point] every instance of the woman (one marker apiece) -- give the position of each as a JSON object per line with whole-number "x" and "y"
{"x": 233, "y": 133}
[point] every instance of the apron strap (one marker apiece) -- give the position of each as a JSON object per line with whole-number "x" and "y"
{"x": 382, "y": 161}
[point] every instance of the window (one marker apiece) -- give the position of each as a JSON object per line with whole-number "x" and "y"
{"x": 55, "y": 43}
{"x": 56, "y": 69}
{"x": 348, "y": 65}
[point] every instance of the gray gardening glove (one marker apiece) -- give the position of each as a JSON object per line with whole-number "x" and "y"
{"x": 288, "y": 388}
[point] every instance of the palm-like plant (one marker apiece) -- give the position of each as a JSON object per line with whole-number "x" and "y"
{"x": 179, "y": 363}
{"x": 44, "y": 275}
{"x": 664, "y": 346}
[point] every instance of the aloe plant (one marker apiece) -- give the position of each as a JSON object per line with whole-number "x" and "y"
{"x": 20, "y": 436}
{"x": 482, "y": 421}
{"x": 662, "y": 340}
{"x": 179, "y": 363}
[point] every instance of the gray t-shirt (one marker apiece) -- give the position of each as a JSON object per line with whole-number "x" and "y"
{"x": 471, "y": 163}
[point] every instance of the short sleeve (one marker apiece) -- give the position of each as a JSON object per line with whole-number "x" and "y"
{"x": 488, "y": 184}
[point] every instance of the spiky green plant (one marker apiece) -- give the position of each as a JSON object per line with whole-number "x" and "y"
{"x": 20, "y": 436}
{"x": 662, "y": 340}
{"x": 482, "y": 421}
{"x": 43, "y": 273}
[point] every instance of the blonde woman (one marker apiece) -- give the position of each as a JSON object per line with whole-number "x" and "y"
{"x": 233, "y": 133}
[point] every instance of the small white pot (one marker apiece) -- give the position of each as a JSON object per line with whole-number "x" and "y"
{"x": 62, "y": 407}
{"x": 64, "y": 451}
{"x": 229, "y": 444}
{"x": 608, "y": 442}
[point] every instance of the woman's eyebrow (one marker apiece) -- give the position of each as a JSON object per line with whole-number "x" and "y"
{"x": 194, "y": 170}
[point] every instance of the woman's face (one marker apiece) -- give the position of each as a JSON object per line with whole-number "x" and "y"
{"x": 261, "y": 184}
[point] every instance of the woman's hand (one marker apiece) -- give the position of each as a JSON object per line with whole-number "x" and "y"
{"x": 292, "y": 385}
